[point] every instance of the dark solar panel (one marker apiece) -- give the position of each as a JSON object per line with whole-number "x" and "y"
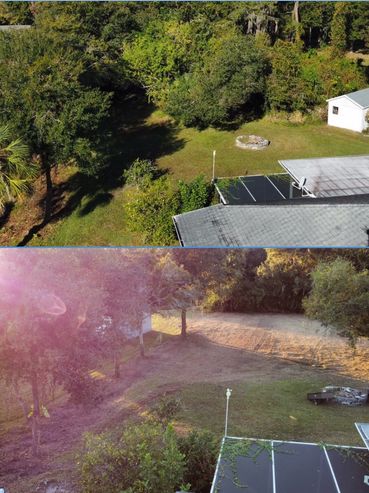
{"x": 350, "y": 467}
{"x": 256, "y": 189}
{"x": 302, "y": 468}
{"x": 291, "y": 467}
{"x": 252, "y": 473}
{"x": 235, "y": 193}
{"x": 262, "y": 189}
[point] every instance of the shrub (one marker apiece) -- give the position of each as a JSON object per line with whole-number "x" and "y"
{"x": 195, "y": 194}
{"x": 144, "y": 460}
{"x": 151, "y": 212}
{"x": 200, "y": 450}
{"x": 141, "y": 172}
{"x": 166, "y": 408}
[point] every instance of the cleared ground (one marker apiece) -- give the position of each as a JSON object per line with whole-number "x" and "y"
{"x": 253, "y": 354}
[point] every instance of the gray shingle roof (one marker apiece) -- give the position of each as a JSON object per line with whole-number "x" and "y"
{"x": 331, "y": 176}
{"x": 301, "y": 223}
{"x": 360, "y": 97}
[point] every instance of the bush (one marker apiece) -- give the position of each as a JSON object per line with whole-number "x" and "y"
{"x": 196, "y": 194}
{"x": 200, "y": 450}
{"x": 141, "y": 172}
{"x": 81, "y": 387}
{"x": 144, "y": 460}
{"x": 166, "y": 408}
{"x": 152, "y": 210}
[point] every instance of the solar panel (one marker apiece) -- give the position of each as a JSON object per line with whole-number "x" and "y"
{"x": 253, "y": 189}
{"x": 266, "y": 466}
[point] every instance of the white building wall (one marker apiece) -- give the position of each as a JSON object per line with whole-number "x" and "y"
{"x": 350, "y": 116}
{"x": 146, "y": 327}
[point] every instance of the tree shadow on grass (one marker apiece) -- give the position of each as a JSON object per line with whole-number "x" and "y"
{"x": 126, "y": 135}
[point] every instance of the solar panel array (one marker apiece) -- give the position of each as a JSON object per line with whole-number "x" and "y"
{"x": 331, "y": 177}
{"x": 247, "y": 190}
{"x": 290, "y": 467}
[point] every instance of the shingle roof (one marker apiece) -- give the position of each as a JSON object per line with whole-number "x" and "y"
{"x": 331, "y": 176}
{"x": 360, "y": 97}
{"x": 301, "y": 223}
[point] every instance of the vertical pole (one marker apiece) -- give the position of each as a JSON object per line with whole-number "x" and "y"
{"x": 214, "y": 154}
{"x": 228, "y": 395}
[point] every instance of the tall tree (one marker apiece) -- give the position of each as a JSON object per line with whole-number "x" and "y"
{"x": 339, "y": 28}
{"x": 48, "y": 328}
{"x": 340, "y": 298}
{"x": 44, "y": 100}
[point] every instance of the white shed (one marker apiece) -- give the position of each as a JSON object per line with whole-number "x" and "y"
{"x": 349, "y": 111}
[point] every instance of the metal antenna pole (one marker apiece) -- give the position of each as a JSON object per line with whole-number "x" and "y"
{"x": 214, "y": 154}
{"x": 228, "y": 395}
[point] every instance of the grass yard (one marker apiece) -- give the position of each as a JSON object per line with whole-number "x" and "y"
{"x": 96, "y": 213}
{"x": 277, "y": 410}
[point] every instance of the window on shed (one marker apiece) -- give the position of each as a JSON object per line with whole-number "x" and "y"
{"x": 335, "y": 110}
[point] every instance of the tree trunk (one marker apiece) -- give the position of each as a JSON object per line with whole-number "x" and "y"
{"x": 142, "y": 345}
{"x": 20, "y": 399}
{"x": 183, "y": 324}
{"x": 36, "y": 433}
{"x": 117, "y": 365}
{"x": 296, "y": 12}
{"x": 49, "y": 189}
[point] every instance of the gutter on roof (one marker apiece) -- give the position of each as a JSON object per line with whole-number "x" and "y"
{"x": 177, "y": 231}
{"x": 214, "y": 483}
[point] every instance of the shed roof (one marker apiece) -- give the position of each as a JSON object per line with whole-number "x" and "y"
{"x": 298, "y": 223}
{"x": 361, "y": 98}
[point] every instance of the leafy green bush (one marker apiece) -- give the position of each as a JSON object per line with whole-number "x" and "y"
{"x": 195, "y": 194}
{"x": 166, "y": 408}
{"x": 141, "y": 172}
{"x": 151, "y": 212}
{"x": 200, "y": 450}
{"x": 144, "y": 460}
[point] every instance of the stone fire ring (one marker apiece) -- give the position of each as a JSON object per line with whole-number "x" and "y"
{"x": 252, "y": 142}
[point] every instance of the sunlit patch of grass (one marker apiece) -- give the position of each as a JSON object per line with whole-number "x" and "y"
{"x": 97, "y": 375}
{"x": 264, "y": 410}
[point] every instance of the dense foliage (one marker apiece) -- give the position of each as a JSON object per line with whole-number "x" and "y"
{"x": 340, "y": 298}
{"x": 143, "y": 460}
{"x": 208, "y": 64}
{"x": 147, "y": 458}
{"x": 157, "y": 201}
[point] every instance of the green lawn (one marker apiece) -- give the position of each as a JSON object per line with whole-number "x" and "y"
{"x": 98, "y": 218}
{"x": 277, "y": 410}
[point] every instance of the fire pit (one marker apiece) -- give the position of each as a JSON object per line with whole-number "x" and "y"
{"x": 346, "y": 396}
{"x": 252, "y": 142}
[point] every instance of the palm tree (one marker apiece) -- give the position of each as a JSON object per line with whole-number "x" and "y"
{"x": 16, "y": 168}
